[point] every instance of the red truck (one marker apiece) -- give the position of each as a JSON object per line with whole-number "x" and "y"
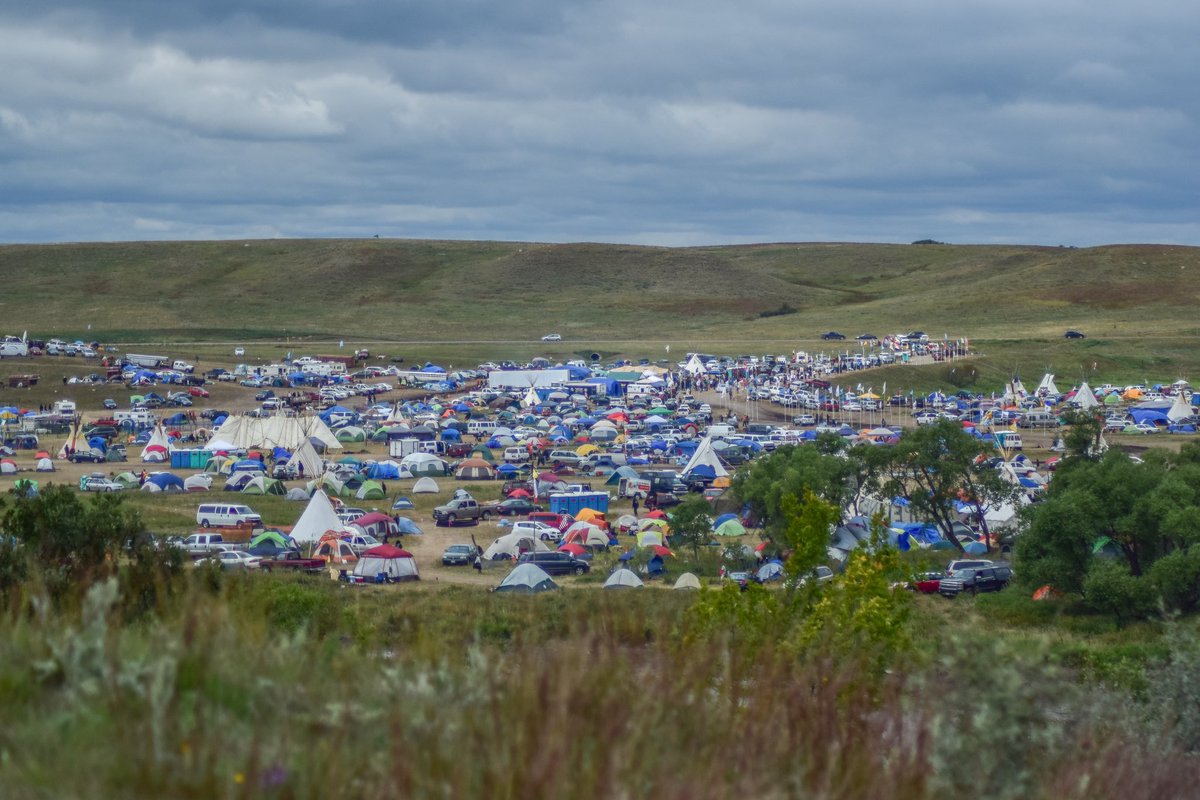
{"x": 292, "y": 560}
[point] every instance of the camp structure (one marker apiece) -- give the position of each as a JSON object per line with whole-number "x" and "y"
{"x": 389, "y": 561}
{"x": 246, "y": 433}
{"x": 305, "y": 461}
{"x": 334, "y": 550}
{"x": 527, "y": 579}
{"x": 425, "y": 486}
{"x": 623, "y": 579}
{"x": 318, "y": 519}
{"x": 704, "y": 462}
{"x": 474, "y": 469}
{"x": 377, "y": 524}
{"x": 157, "y": 449}
{"x": 260, "y": 484}
{"x": 512, "y": 545}
{"x": 687, "y": 581}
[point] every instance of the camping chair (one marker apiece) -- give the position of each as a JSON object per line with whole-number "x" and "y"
{"x": 381, "y": 577}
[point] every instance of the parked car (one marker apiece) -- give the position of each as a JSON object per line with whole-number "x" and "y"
{"x": 540, "y": 530}
{"x": 1074, "y": 334}
{"x": 975, "y": 580}
{"x": 828, "y": 335}
{"x": 101, "y": 485}
{"x": 555, "y": 563}
{"x": 234, "y": 559}
{"x": 461, "y": 555}
{"x": 88, "y": 456}
{"x": 109, "y": 403}
{"x": 927, "y": 582}
{"x": 239, "y": 351}
{"x": 514, "y": 507}
{"x": 552, "y": 337}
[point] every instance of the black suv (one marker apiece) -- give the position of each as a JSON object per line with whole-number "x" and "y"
{"x": 556, "y": 563}
{"x": 975, "y": 580}
{"x": 1073, "y": 334}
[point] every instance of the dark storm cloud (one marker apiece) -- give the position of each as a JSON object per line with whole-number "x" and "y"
{"x": 612, "y": 120}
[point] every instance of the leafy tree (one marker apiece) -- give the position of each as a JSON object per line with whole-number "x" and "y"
{"x": 1111, "y": 589}
{"x": 691, "y": 525}
{"x": 72, "y": 542}
{"x": 1176, "y": 578}
{"x": 935, "y": 465}
{"x": 1082, "y": 435}
{"x": 790, "y": 472}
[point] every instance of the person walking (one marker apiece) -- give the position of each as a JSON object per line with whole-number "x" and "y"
{"x": 635, "y": 506}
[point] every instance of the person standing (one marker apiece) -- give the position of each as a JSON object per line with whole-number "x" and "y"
{"x": 635, "y": 506}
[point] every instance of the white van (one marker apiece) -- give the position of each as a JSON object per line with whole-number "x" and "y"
{"x": 224, "y": 515}
{"x": 141, "y": 418}
{"x": 480, "y": 427}
{"x": 516, "y": 455}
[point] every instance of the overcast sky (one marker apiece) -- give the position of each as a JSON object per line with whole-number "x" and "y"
{"x": 667, "y": 122}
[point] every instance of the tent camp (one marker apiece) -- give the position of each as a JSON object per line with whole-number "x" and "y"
{"x": 391, "y": 562}
{"x": 305, "y": 461}
{"x": 157, "y": 449}
{"x": 704, "y": 462}
{"x": 425, "y": 486}
{"x": 512, "y": 545}
{"x": 245, "y": 433}
{"x": 377, "y": 525}
{"x": 687, "y": 581}
{"x": 527, "y": 579}
{"x": 318, "y": 519}
{"x": 623, "y": 579}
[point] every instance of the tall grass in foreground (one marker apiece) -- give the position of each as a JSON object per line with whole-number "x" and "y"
{"x": 280, "y": 687}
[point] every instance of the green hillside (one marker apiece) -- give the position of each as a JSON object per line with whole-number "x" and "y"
{"x": 1135, "y": 302}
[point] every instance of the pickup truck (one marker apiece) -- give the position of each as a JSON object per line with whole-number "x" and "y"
{"x": 293, "y": 561}
{"x": 975, "y": 580}
{"x": 462, "y": 509}
{"x": 203, "y": 544}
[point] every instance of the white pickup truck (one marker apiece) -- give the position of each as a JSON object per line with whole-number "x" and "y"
{"x": 203, "y": 544}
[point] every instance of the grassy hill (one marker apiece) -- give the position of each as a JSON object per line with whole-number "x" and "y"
{"x": 1135, "y": 302}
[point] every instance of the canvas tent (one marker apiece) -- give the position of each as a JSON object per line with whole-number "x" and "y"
{"x": 318, "y": 519}
{"x": 392, "y": 562}
{"x": 425, "y": 486}
{"x": 623, "y": 579}
{"x": 704, "y": 461}
{"x": 158, "y": 448}
{"x": 687, "y": 581}
{"x": 306, "y": 456}
{"x": 527, "y": 579}
{"x": 290, "y": 433}
{"x": 513, "y": 544}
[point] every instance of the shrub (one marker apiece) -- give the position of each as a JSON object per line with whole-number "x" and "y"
{"x": 1110, "y": 589}
{"x": 1176, "y": 578}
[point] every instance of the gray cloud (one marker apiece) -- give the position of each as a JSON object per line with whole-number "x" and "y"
{"x": 613, "y": 120}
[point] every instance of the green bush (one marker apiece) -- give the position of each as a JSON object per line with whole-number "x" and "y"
{"x": 1176, "y": 577}
{"x": 1110, "y": 589}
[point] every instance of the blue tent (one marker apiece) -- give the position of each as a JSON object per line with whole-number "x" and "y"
{"x": 165, "y": 480}
{"x": 280, "y": 454}
{"x": 703, "y": 471}
{"x": 508, "y": 468}
{"x": 407, "y": 527}
{"x": 1151, "y": 415}
{"x": 248, "y": 465}
{"x": 98, "y": 443}
{"x": 176, "y": 419}
{"x": 432, "y": 368}
{"x": 974, "y": 548}
{"x": 721, "y": 520}
{"x": 770, "y": 571}
{"x": 380, "y": 470}
{"x": 451, "y": 435}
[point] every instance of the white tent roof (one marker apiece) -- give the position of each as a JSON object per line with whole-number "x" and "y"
{"x": 395, "y": 568}
{"x": 270, "y": 432}
{"x": 694, "y": 366}
{"x": 425, "y": 485}
{"x": 1084, "y": 397}
{"x": 687, "y": 581}
{"x": 1180, "y": 409}
{"x": 1047, "y": 384}
{"x": 705, "y": 456}
{"x": 623, "y": 579}
{"x": 318, "y": 518}
{"x": 157, "y": 439}
{"x": 512, "y": 543}
{"x": 306, "y": 454}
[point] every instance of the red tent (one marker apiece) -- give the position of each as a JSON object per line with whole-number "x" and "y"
{"x": 386, "y": 551}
